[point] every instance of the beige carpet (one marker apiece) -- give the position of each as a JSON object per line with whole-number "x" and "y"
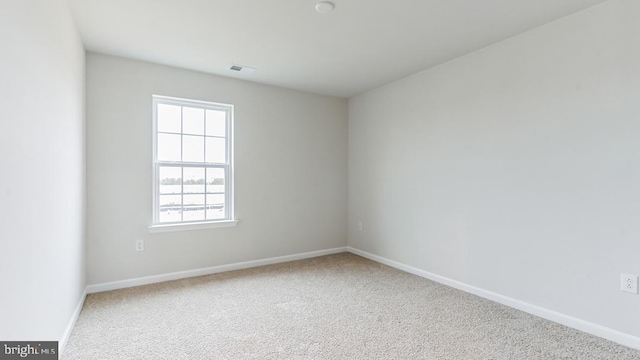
{"x": 333, "y": 307}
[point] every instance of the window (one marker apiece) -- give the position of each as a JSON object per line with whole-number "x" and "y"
{"x": 192, "y": 162}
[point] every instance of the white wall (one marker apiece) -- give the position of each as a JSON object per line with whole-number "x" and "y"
{"x": 42, "y": 272}
{"x": 515, "y": 169}
{"x": 290, "y": 171}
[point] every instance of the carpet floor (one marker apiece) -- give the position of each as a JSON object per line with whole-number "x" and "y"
{"x": 333, "y": 307}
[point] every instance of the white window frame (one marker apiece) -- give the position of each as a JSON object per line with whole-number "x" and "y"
{"x": 229, "y": 219}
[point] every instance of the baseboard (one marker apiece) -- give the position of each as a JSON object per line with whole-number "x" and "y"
{"x": 570, "y": 321}
{"x": 207, "y": 271}
{"x": 71, "y": 324}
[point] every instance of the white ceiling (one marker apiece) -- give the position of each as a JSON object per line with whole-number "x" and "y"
{"x": 360, "y": 45}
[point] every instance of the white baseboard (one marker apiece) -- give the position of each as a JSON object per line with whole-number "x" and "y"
{"x": 570, "y": 321}
{"x": 207, "y": 271}
{"x": 71, "y": 324}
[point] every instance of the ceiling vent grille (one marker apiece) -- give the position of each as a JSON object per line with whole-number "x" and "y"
{"x": 243, "y": 69}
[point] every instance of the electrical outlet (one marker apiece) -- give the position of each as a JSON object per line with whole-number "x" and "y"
{"x": 629, "y": 283}
{"x": 139, "y": 245}
{"x": 360, "y": 226}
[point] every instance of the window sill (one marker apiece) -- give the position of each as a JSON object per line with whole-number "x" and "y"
{"x": 192, "y": 226}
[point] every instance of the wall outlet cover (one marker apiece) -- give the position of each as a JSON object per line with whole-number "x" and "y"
{"x": 629, "y": 283}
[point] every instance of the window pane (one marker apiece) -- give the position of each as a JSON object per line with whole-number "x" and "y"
{"x": 170, "y": 208}
{"x": 215, "y": 206}
{"x": 215, "y": 180}
{"x": 170, "y": 180}
{"x": 192, "y": 121}
{"x": 216, "y": 123}
{"x": 168, "y": 147}
{"x": 193, "y": 180}
{"x": 193, "y": 148}
{"x": 193, "y": 207}
{"x": 216, "y": 150}
{"x": 168, "y": 118}
{"x": 192, "y": 161}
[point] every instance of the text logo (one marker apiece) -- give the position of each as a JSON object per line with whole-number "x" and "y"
{"x": 40, "y": 350}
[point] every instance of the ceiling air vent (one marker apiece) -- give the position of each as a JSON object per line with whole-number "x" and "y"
{"x": 243, "y": 69}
